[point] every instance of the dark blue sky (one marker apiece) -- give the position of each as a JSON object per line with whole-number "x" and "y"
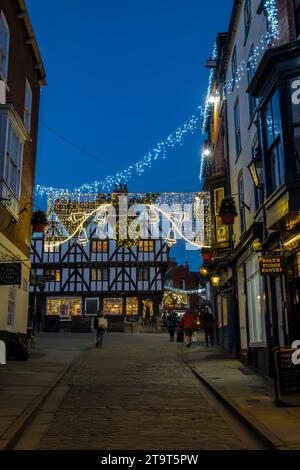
{"x": 122, "y": 75}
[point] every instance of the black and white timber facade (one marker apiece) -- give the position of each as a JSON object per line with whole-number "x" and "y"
{"x": 121, "y": 281}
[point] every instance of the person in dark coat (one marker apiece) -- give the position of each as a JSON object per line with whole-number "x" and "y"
{"x": 171, "y": 325}
{"x": 207, "y": 323}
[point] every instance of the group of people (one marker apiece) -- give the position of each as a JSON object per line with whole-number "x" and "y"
{"x": 191, "y": 321}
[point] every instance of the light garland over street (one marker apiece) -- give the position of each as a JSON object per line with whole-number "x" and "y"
{"x": 199, "y": 118}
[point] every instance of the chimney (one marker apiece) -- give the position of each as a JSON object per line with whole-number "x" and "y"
{"x": 187, "y": 266}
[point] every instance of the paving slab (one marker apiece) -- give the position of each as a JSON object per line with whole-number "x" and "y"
{"x": 248, "y": 393}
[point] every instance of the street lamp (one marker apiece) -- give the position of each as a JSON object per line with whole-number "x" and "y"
{"x": 255, "y": 168}
{"x": 215, "y": 280}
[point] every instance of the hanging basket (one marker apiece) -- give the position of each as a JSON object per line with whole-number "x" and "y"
{"x": 227, "y": 219}
{"x": 39, "y": 221}
{"x": 206, "y": 256}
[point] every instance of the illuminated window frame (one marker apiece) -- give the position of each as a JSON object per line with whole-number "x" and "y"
{"x": 146, "y": 246}
{"x": 99, "y": 246}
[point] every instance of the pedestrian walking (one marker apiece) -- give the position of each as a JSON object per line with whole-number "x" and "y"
{"x": 189, "y": 325}
{"x": 171, "y": 325}
{"x": 207, "y": 323}
{"x": 100, "y": 326}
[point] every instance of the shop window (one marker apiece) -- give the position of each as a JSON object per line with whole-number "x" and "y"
{"x": 221, "y": 234}
{"x": 12, "y": 294}
{"x": 132, "y": 306}
{"x": 297, "y": 264}
{"x": 257, "y": 330}
{"x": 99, "y": 246}
{"x": 55, "y": 273}
{"x": 113, "y": 306}
{"x": 99, "y": 274}
{"x": 146, "y": 245}
{"x": 64, "y": 307}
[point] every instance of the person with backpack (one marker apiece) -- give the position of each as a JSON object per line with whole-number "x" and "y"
{"x": 189, "y": 325}
{"x": 100, "y": 326}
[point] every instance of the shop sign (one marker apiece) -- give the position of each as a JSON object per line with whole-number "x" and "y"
{"x": 295, "y": 98}
{"x": 287, "y": 377}
{"x": 10, "y": 274}
{"x": 271, "y": 265}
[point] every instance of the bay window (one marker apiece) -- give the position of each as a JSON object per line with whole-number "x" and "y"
{"x": 274, "y": 150}
{"x": 13, "y": 159}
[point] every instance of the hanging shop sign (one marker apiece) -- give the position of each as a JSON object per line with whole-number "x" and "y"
{"x": 271, "y": 265}
{"x": 10, "y": 274}
{"x": 287, "y": 378}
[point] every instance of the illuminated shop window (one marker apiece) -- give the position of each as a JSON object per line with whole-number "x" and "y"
{"x": 132, "y": 306}
{"x": 64, "y": 308}
{"x": 113, "y": 306}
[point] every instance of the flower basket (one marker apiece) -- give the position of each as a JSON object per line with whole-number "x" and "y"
{"x": 39, "y": 221}
{"x": 227, "y": 219}
{"x": 206, "y": 255}
{"x": 228, "y": 211}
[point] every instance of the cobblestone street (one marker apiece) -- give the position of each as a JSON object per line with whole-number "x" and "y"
{"x": 135, "y": 393}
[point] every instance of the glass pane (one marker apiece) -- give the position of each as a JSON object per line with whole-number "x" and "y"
{"x": 132, "y": 306}
{"x": 297, "y": 149}
{"x": 113, "y": 306}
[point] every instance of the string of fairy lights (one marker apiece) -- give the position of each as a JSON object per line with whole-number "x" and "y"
{"x": 244, "y": 67}
{"x": 198, "y": 119}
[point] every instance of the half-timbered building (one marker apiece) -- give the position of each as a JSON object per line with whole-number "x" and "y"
{"x": 124, "y": 282}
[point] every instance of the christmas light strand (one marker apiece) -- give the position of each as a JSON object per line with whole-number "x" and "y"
{"x": 187, "y": 292}
{"x": 245, "y": 66}
{"x": 201, "y": 116}
{"x": 160, "y": 150}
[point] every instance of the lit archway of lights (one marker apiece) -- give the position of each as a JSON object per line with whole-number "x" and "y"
{"x": 101, "y": 208}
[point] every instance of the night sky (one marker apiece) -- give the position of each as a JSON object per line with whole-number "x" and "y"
{"x": 121, "y": 76}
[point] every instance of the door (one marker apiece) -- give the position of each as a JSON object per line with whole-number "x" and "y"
{"x": 295, "y": 309}
{"x": 91, "y": 306}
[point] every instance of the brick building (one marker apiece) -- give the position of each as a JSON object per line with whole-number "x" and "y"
{"x": 21, "y": 77}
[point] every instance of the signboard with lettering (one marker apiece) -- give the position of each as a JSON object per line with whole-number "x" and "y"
{"x": 287, "y": 378}
{"x": 271, "y": 265}
{"x": 10, "y": 274}
{"x": 295, "y": 98}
